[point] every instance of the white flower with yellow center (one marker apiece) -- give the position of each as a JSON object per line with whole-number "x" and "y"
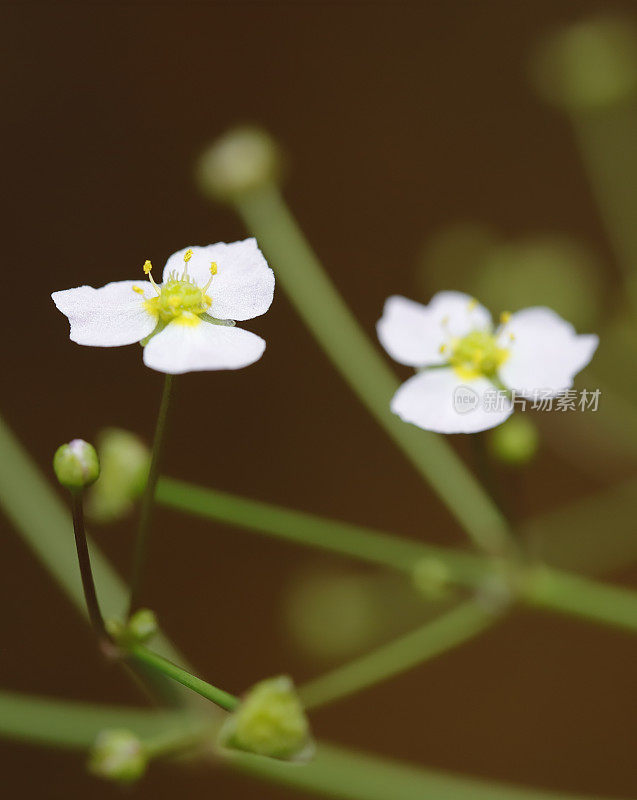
{"x": 465, "y": 364}
{"x": 186, "y": 323}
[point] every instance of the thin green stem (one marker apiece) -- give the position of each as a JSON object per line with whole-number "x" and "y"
{"x": 431, "y": 639}
{"x": 606, "y": 140}
{"x": 170, "y": 670}
{"x": 360, "y": 364}
{"x": 619, "y": 607}
{"x": 86, "y": 573}
{"x": 146, "y": 512}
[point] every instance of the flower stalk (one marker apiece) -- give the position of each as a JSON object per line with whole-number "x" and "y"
{"x": 162, "y": 665}
{"x": 142, "y": 543}
{"x": 84, "y": 560}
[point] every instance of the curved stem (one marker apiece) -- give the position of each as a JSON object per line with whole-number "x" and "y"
{"x": 148, "y": 500}
{"x": 86, "y": 573}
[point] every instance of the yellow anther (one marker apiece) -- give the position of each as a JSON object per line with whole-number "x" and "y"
{"x": 213, "y": 267}
{"x": 147, "y": 267}
{"x": 442, "y": 348}
{"x": 505, "y": 316}
{"x": 138, "y": 289}
{"x": 187, "y": 255}
{"x": 472, "y": 304}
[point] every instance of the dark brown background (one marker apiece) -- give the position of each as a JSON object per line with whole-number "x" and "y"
{"x": 397, "y": 119}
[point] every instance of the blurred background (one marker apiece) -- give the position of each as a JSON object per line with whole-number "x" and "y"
{"x": 422, "y": 154}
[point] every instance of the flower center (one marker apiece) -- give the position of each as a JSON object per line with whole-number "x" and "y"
{"x": 179, "y": 299}
{"x": 477, "y": 354}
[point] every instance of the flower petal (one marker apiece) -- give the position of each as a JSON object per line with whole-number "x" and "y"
{"x": 409, "y": 333}
{"x": 190, "y": 348}
{"x": 412, "y": 333}
{"x": 459, "y": 313}
{"x": 545, "y": 352}
{"x": 438, "y": 400}
{"x": 244, "y": 284}
{"x": 111, "y": 316}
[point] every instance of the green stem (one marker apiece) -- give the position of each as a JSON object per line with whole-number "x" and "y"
{"x": 606, "y": 141}
{"x": 581, "y": 597}
{"x": 332, "y": 324}
{"x": 162, "y": 665}
{"x": 431, "y": 639}
{"x": 619, "y": 607}
{"x": 86, "y": 573}
{"x": 146, "y": 511}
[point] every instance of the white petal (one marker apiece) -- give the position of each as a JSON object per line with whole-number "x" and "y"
{"x": 409, "y": 333}
{"x": 412, "y": 333}
{"x": 438, "y": 400}
{"x": 545, "y": 353}
{"x": 459, "y": 313}
{"x": 190, "y": 348}
{"x": 107, "y": 317}
{"x": 244, "y": 284}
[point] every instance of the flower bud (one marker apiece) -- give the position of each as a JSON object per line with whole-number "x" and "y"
{"x": 588, "y": 65}
{"x": 431, "y": 577}
{"x": 118, "y": 755}
{"x": 76, "y": 464}
{"x": 141, "y": 627}
{"x": 239, "y": 162}
{"x": 124, "y": 461}
{"x": 515, "y": 442}
{"x": 270, "y": 721}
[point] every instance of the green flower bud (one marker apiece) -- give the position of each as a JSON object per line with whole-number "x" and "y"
{"x": 242, "y": 160}
{"x": 118, "y": 755}
{"x": 270, "y": 721}
{"x": 516, "y": 441}
{"x": 141, "y": 627}
{"x": 588, "y": 65}
{"x": 124, "y": 460}
{"x": 76, "y": 464}
{"x": 431, "y": 577}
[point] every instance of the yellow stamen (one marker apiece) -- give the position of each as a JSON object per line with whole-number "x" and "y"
{"x": 147, "y": 268}
{"x": 505, "y": 316}
{"x": 138, "y": 289}
{"x": 442, "y": 348}
{"x": 213, "y": 272}
{"x": 187, "y": 255}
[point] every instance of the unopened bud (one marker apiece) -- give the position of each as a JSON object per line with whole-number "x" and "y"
{"x": 515, "y": 442}
{"x": 240, "y": 161}
{"x": 588, "y": 65}
{"x": 76, "y": 464}
{"x": 118, "y": 755}
{"x": 270, "y": 721}
{"x": 124, "y": 461}
{"x": 139, "y": 629}
{"x": 431, "y": 577}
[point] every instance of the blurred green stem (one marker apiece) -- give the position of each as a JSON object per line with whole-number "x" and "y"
{"x": 146, "y": 512}
{"x": 553, "y": 589}
{"x": 182, "y": 676}
{"x": 343, "y": 340}
{"x": 606, "y": 140}
{"x": 433, "y": 638}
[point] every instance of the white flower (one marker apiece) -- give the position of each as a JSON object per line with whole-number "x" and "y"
{"x": 187, "y": 322}
{"x": 465, "y": 365}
